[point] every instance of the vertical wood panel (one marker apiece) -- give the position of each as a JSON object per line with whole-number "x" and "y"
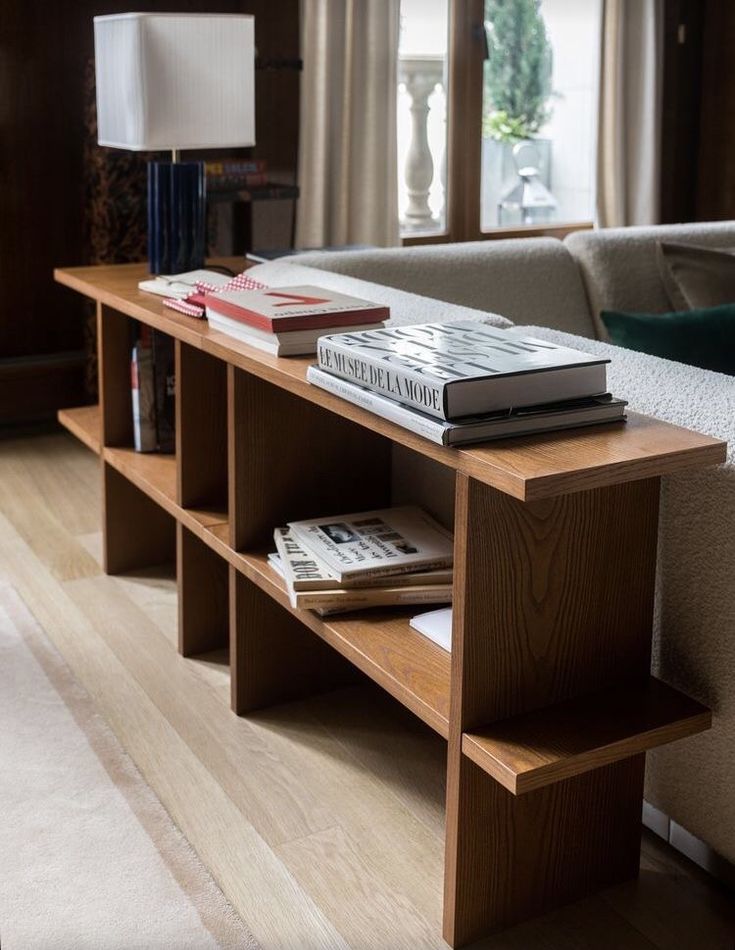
{"x": 136, "y": 531}
{"x": 273, "y": 656}
{"x": 114, "y": 343}
{"x": 553, "y": 599}
{"x": 201, "y": 428}
{"x": 203, "y": 602}
{"x": 291, "y": 459}
{"x": 464, "y": 118}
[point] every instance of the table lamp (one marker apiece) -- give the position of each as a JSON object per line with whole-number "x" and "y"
{"x": 170, "y": 81}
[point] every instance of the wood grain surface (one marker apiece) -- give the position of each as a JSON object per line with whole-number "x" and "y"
{"x": 203, "y": 596}
{"x": 137, "y": 531}
{"x": 201, "y": 429}
{"x": 553, "y": 599}
{"x": 290, "y": 459}
{"x": 114, "y": 342}
{"x": 273, "y": 657}
{"x": 528, "y": 468}
{"x": 557, "y": 742}
{"x": 84, "y": 422}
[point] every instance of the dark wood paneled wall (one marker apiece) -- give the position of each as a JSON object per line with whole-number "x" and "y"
{"x": 716, "y": 160}
{"x": 698, "y": 135}
{"x": 683, "y": 27}
{"x": 44, "y": 48}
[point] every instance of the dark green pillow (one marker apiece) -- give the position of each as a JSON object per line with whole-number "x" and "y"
{"x": 703, "y": 338}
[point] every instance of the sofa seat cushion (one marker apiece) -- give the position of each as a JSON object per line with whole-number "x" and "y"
{"x": 694, "y": 622}
{"x": 405, "y": 308}
{"x": 704, "y": 338}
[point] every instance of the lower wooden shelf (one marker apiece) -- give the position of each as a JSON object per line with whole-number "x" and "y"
{"x": 536, "y": 749}
{"x": 84, "y": 422}
{"x": 379, "y": 642}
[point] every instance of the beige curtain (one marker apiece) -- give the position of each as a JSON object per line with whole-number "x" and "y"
{"x": 629, "y": 131}
{"x": 347, "y": 145}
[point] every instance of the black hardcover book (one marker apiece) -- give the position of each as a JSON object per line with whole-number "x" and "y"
{"x": 165, "y": 383}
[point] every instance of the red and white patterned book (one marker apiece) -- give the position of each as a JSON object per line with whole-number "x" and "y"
{"x": 194, "y": 305}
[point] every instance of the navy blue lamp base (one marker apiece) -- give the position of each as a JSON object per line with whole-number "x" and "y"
{"x": 176, "y": 216}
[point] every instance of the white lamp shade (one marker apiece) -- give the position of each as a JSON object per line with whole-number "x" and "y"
{"x": 175, "y": 81}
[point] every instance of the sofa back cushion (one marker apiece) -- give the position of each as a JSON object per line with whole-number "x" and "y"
{"x": 697, "y": 277}
{"x": 620, "y": 266}
{"x": 528, "y": 280}
{"x": 405, "y": 308}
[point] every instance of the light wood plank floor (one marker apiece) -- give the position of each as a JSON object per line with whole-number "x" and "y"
{"x": 321, "y": 820}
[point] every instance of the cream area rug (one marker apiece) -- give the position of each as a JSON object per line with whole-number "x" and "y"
{"x": 89, "y": 858}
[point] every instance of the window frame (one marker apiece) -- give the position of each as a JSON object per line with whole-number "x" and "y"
{"x": 466, "y": 55}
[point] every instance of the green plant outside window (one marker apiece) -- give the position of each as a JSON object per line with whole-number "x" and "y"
{"x": 517, "y": 72}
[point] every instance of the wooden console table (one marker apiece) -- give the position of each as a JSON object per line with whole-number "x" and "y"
{"x": 546, "y": 701}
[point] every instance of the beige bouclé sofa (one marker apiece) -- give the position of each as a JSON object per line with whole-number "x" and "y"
{"x": 558, "y": 289}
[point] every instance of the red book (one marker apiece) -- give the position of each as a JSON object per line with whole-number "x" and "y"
{"x": 280, "y": 309}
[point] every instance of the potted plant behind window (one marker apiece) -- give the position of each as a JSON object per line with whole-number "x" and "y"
{"x": 517, "y": 90}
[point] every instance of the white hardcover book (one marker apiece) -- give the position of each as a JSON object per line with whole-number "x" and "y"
{"x": 376, "y": 543}
{"x": 501, "y": 425}
{"x": 451, "y": 370}
{"x": 436, "y": 625}
{"x": 291, "y": 343}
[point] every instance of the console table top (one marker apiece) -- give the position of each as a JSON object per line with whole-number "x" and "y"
{"x": 527, "y": 468}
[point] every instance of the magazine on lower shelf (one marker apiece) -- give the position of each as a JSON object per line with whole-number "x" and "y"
{"x": 376, "y": 543}
{"x": 303, "y": 571}
{"x": 340, "y": 600}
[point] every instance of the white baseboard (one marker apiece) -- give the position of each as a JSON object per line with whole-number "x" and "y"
{"x": 688, "y": 844}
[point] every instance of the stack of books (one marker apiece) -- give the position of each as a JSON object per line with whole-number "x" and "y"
{"x": 463, "y": 382}
{"x": 234, "y": 174}
{"x": 287, "y": 321}
{"x": 153, "y": 390}
{"x": 367, "y": 559}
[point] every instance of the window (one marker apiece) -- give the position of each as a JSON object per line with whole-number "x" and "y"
{"x": 422, "y": 115}
{"x": 497, "y": 115}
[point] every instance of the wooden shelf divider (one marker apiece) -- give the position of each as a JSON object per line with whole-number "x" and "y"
{"x": 552, "y": 744}
{"x": 545, "y": 699}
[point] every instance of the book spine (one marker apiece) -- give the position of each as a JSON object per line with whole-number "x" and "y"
{"x": 164, "y": 373}
{"x": 143, "y": 397}
{"x": 334, "y": 601}
{"x": 301, "y": 569}
{"x": 388, "y": 378}
{"x": 245, "y": 167}
{"x": 233, "y": 181}
{"x": 283, "y": 324}
{"x": 435, "y": 431}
